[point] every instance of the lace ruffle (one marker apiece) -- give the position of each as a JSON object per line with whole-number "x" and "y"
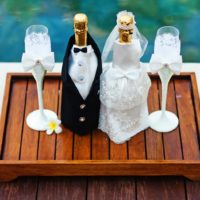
{"x": 123, "y": 93}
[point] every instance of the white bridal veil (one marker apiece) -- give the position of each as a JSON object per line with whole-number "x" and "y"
{"x": 114, "y": 35}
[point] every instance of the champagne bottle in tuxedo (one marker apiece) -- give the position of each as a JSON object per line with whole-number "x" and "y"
{"x": 81, "y": 72}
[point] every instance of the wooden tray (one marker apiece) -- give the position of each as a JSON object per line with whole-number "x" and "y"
{"x": 25, "y": 152}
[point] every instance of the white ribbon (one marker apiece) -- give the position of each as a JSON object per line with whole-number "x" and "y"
{"x": 117, "y": 73}
{"x": 157, "y": 63}
{"x": 123, "y": 77}
{"x": 29, "y": 62}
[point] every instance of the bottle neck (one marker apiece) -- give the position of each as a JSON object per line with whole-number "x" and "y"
{"x": 81, "y": 39}
{"x": 125, "y": 36}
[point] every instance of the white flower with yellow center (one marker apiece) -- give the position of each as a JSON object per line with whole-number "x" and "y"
{"x": 53, "y": 126}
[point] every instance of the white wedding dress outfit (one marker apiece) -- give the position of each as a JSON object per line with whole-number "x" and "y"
{"x": 124, "y": 88}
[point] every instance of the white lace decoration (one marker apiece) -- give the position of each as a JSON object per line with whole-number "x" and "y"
{"x": 123, "y": 91}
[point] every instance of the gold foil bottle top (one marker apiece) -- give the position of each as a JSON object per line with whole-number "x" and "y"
{"x": 126, "y": 20}
{"x": 80, "y": 29}
{"x": 125, "y": 28}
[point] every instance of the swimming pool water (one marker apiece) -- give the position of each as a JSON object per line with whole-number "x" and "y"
{"x": 57, "y": 15}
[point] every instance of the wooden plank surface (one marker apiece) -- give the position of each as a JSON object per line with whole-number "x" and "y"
{"x": 62, "y": 188}
{"x": 165, "y": 188}
{"x": 154, "y": 143}
{"x": 100, "y": 146}
{"x": 171, "y": 151}
{"x": 64, "y": 142}
{"x": 189, "y": 141}
{"x": 82, "y": 147}
{"x": 111, "y": 188}
{"x": 67, "y": 146}
{"x": 161, "y": 146}
{"x": 30, "y": 136}
{"x": 47, "y": 143}
{"x": 189, "y": 133}
{"x": 5, "y": 107}
{"x": 15, "y": 120}
{"x": 117, "y": 187}
{"x": 72, "y": 188}
{"x": 22, "y": 188}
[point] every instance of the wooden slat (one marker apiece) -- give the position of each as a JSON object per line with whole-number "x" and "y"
{"x": 82, "y": 147}
{"x": 103, "y": 188}
{"x": 172, "y": 142}
{"x": 173, "y": 148}
{"x": 30, "y": 136}
{"x": 118, "y": 151}
{"x": 4, "y": 110}
{"x": 136, "y": 147}
{"x": 193, "y": 188}
{"x": 64, "y": 142}
{"x": 15, "y": 120}
{"x": 195, "y": 95}
{"x": 100, "y": 146}
{"x": 22, "y": 188}
{"x": 64, "y": 145}
{"x": 154, "y": 144}
{"x": 62, "y": 188}
{"x": 111, "y": 188}
{"x": 188, "y": 127}
{"x": 165, "y": 189}
{"x": 189, "y": 130}
{"x": 47, "y": 143}
{"x": 157, "y": 188}
{"x": 99, "y": 167}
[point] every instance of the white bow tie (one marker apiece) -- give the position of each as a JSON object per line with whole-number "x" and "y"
{"x": 157, "y": 63}
{"x": 117, "y": 73}
{"x": 29, "y": 62}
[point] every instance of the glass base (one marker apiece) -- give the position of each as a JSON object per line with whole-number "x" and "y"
{"x": 163, "y": 122}
{"x": 38, "y": 122}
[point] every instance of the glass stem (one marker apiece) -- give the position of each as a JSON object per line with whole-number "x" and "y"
{"x": 38, "y": 74}
{"x": 165, "y": 75}
{"x": 40, "y": 97}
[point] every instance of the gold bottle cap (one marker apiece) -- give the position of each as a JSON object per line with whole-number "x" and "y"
{"x": 80, "y": 29}
{"x": 80, "y": 22}
{"x": 126, "y": 20}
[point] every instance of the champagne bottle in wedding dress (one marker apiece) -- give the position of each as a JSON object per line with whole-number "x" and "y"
{"x": 124, "y": 83}
{"x": 81, "y": 76}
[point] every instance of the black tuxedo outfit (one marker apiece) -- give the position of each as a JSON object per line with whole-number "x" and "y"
{"x": 77, "y": 114}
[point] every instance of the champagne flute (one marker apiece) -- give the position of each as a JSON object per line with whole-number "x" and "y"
{"x": 37, "y": 46}
{"x": 167, "y": 54}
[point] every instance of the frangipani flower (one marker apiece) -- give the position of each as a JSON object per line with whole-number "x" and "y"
{"x": 53, "y": 126}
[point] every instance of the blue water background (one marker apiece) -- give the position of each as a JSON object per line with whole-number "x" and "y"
{"x": 57, "y": 15}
